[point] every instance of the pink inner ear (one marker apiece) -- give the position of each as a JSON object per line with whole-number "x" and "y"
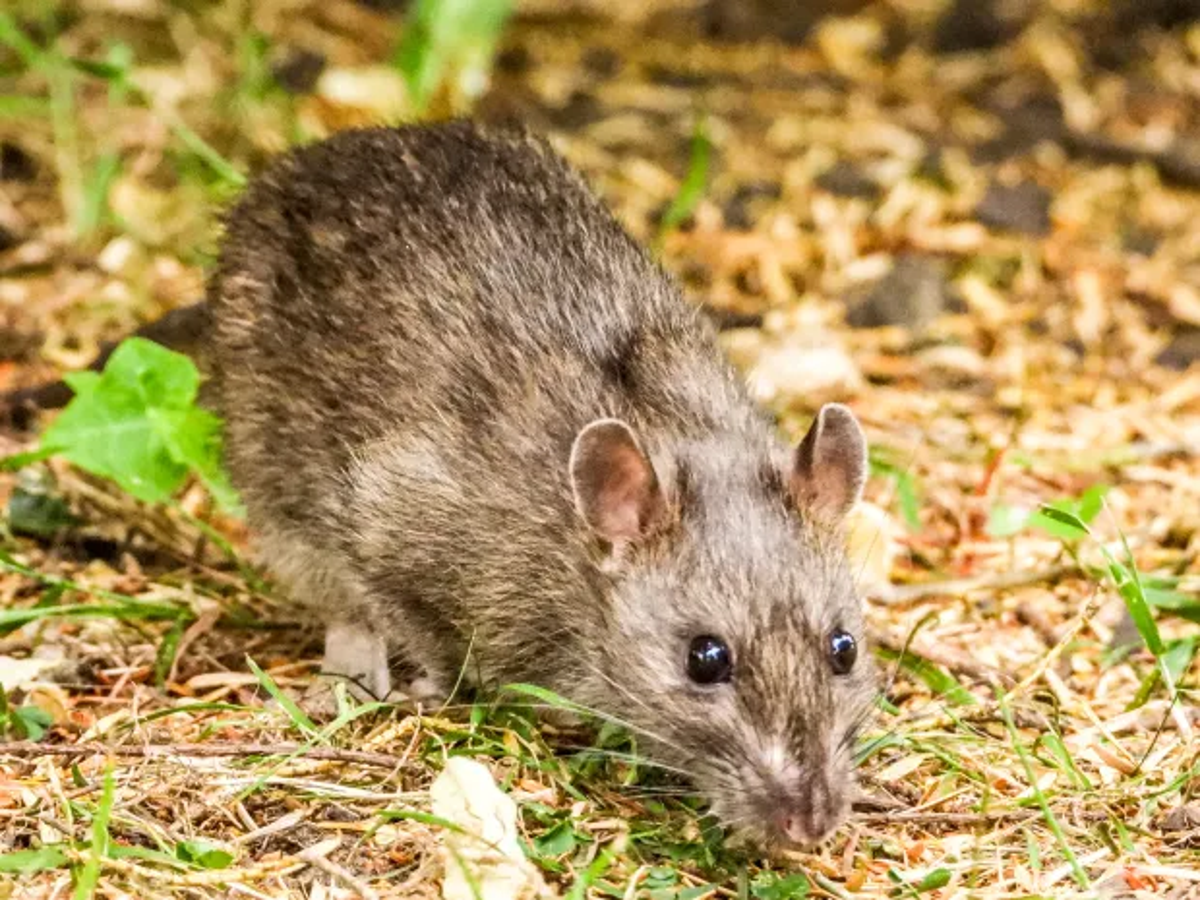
{"x": 829, "y": 465}
{"x": 623, "y": 498}
{"x": 616, "y": 491}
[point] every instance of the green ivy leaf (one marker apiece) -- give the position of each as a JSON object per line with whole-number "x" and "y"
{"x": 137, "y": 424}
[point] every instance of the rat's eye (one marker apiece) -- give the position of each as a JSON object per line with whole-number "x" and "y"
{"x": 709, "y": 660}
{"x": 843, "y": 651}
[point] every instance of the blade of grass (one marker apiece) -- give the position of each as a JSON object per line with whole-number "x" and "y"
{"x": 18, "y": 108}
{"x": 89, "y": 874}
{"x": 319, "y": 737}
{"x": 120, "y": 606}
{"x": 1128, "y": 583}
{"x": 298, "y": 716}
{"x": 695, "y": 181}
{"x": 941, "y": 682}
{"x": 15, "y": 39}
{"x": 598, "y": 867}
{"x": 1052, "y": 823}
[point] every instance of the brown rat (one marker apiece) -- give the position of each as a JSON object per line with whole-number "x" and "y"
{"x": 475, "y": 425}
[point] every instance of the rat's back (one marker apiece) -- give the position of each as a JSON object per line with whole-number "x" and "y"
{"x": 456, "y": 286}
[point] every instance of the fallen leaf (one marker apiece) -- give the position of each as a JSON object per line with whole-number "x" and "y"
{"x": 873, "y": 546}
{"x": 481, "y": 857}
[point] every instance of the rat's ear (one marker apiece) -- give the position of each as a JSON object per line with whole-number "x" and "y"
{"x": 829, "y": 466}
{"x": 616, "y": 490}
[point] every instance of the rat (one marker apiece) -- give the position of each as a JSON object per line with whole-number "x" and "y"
{"x": 476, "y": 427}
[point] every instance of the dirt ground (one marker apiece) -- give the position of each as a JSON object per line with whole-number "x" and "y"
{"x": 982, "y": 232}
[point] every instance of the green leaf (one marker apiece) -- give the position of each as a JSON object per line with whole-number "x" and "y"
{"x": 1128, "y": 584}
{"x": 1080, "y": 875}
{"x": 19, "y": 108}
{"x": 1060, "y": 523}
{"x": 1005, "y": 521}
{"x": 938, "y": 878}
{"x": 772, "y": 887}
{"x": 1091, "y": 502}
{"x": 121, "y": 851}
{"x": 37, "y": 513}
{"x": 194, "y": 438}
{"x": 1059, "y": 751}
{"x": 660, "y": 877}
{"x": 137, "y": 424}
{"x": 25, "y": 862}
{"x": 168, "y": 647}
{"x": 108, "y": 70}
{"x": 15, "y": 39}
{"x": 32, "y": 721}
{"x": 546, "y": 696}
{"x": 415, "y": 815}
{"x": 1179, "y": 655}
{"x": 558, "y": 841}
{"x": 1181, "y": 603}
{"x": 449, "y": 38}
{"x": 204, "y": 854}
{"x": 1066, "y": 519}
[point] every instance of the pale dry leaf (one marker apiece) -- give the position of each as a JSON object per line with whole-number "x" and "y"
{"x": 375, "y": 93}
{"x": 24, "y": 673}
{"x": 872, "y": 535}
{"x": 789, "y": 371}
{"x": 481, "y": 858}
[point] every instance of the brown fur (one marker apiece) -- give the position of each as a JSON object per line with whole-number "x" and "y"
{"x": 411, "y": 327}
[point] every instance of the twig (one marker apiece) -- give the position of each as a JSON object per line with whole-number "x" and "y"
{"x": 314, "y": 857}
{"x": 198, "y": 751}
{"x": 909, "y": 593}
{"x": 947, "y": 818}
{"x": 957, "y": 663}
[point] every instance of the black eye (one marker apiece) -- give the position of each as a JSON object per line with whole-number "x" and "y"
{"x": 709, "y": 660}
{"x": 843, "y": 651}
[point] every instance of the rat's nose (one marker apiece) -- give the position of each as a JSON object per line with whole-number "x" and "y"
{"x": 810, "y": 815}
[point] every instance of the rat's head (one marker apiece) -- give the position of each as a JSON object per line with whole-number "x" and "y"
{"x": 735, "y": 638}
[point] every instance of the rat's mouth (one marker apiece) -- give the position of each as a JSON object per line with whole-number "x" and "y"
{"x": 806, "y": 816}
{"x": 800, "y": 813}
{"x": 802, "y": 830}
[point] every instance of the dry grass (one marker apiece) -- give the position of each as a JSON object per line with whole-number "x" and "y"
{"x": 1016, "y": 753}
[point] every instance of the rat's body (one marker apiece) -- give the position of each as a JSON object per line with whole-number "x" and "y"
{"x": 440, "y": 361}
{"x": 411, "y": 329}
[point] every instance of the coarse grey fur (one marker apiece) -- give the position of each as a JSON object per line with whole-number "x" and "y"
{"x": 413, "y": 330}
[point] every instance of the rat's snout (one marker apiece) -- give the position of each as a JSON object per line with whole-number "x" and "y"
{"x": 809, "y": 813}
